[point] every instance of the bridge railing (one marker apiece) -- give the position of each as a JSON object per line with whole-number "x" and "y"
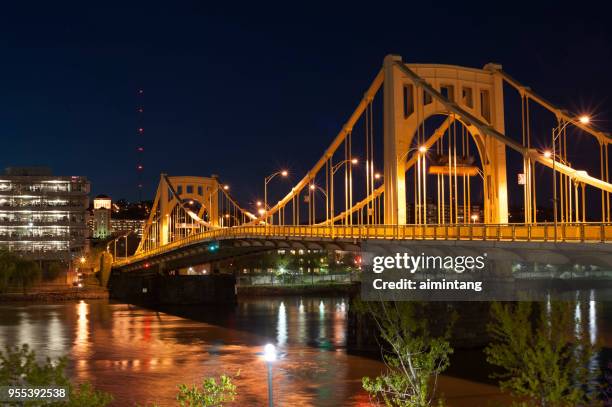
{"x": 512, "y": 232}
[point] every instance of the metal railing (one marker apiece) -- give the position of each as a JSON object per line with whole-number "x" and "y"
{"x": 511, "y": 232}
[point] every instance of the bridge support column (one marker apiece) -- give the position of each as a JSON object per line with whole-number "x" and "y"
{"x": 164, "y": 222}
{"x": 395, "y": 175}
{"x": 496, "y": 184}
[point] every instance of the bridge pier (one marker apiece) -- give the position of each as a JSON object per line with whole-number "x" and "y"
{"x": 152, "y": 288}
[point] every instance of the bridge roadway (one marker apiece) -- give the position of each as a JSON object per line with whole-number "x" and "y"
{"x": 540, "y": 239}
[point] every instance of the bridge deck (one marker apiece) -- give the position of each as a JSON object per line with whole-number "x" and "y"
{"x": 541, "y": 232}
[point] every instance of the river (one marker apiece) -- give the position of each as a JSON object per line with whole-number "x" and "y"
{"x": 140, "y": 355}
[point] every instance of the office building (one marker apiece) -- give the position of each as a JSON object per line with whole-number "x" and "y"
{"x": 43, "y": 216}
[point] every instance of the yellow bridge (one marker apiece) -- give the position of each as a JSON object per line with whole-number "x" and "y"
{"x": 424, "y": 156}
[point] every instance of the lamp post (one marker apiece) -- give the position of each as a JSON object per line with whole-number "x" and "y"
{"x": 556, "y": 132}
{"x": 335, "y": 169}
{"x": 282, "y": 173}
{"x": 270, "y": 356}
{"x": 219, "y": 186}
{"x": 314, "y": 187}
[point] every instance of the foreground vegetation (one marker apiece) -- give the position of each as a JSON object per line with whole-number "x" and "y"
{"x": 19, "y": 367}
{"x": 542, "y": 352}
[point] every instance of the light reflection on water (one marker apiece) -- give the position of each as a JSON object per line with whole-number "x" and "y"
{"x": 140, "y": 355}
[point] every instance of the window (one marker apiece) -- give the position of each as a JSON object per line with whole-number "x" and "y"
{"x": 179, "y": 189}
{"x": 448, "y": 91}
{"x": 426, "y": 98}
{"x": 408, "y": 100}
{"x": 200, "y": 190}
{"x": 189, "y": 189}
{"x": 485, "y": 104}
{"x": 468, "y": 97}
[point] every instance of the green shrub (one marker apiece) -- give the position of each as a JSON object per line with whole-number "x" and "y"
{"x": 18, "y": 367}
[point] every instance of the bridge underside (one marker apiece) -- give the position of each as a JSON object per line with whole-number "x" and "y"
{"x": 542, "y": 253}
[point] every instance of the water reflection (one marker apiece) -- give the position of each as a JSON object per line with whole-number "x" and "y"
{"x": 141, "y": 355}
{"x": 282, "y": 325}
{"x": 593, "y": 317}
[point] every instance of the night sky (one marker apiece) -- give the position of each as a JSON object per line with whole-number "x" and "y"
{"x": 243, "y": 90}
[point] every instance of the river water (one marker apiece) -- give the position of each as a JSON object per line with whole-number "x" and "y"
{"x": 141, "y": 355}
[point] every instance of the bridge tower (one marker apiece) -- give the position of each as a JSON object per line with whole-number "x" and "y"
{"x": 182, "y": 206}
{"x": 414, "y": 92}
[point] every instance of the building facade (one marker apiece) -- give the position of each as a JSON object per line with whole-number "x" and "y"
{"x": 123, "y": 226}
{"x": 42, "y": 216}
{"x": 101, "y": 217}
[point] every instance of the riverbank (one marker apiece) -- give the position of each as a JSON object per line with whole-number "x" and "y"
{"x": 327, "y": 289}
{"x": 56, "y": 295}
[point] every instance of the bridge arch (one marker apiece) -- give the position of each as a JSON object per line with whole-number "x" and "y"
{"x": 408, "y": 104}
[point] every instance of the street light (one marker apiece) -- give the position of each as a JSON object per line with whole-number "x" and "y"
{"x": 421, "y": 149}
{"x": 556, "y": 132}
{"x": 474, "y": 218}
{"x": 282, "y": 173}
{"x": 335, "y": 169}
{"x": 270, "y": 357}
{"x": 314, "y": 187}
{"x": 213, "y": 192}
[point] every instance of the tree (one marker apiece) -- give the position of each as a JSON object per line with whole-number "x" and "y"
{"x": 18, "y": 367}
{"x": 16, "y": 271}
{"x": 7, "y": 268}
{"x": 543, "y": 356}
{"x": 54, "y": 270}
{"x": 414, "y": 358}
{"x": 210, "y": 393}
{"x": 26, "y": 274}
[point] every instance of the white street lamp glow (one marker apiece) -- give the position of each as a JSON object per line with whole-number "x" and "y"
{"x": 269, "y": 353}
{"x": 547, "y": 154}
{"x": 423, "y": 149}
{"x": 584, "y": 119}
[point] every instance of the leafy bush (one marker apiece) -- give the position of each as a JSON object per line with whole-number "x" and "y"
{"x": 209, "y": 394}
{"x": 18, "y": 367}
{"x": 414, "y": 358}
{"x": 543, "y": 356}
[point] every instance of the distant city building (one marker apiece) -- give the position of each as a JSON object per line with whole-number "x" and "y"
{"x": 122, "y": 226}
{"x": 107, "y": 218}
{"x": 102, "y": 202}
{"x": 43, "y": 216}
{"x": 473, "y": 215}
{"x": 101, "y": 217}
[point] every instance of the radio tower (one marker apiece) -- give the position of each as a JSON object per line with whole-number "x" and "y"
{"x": 140, "y": 141}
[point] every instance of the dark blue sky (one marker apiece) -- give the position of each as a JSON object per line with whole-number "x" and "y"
{"x": 243, "y": 89}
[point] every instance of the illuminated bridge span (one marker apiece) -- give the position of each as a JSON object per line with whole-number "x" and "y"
{"x": 424, "y": 144}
